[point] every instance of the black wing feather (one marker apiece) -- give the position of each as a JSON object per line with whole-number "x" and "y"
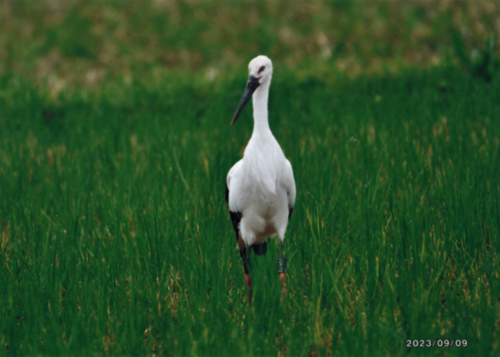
{"x": 236, "y": 218}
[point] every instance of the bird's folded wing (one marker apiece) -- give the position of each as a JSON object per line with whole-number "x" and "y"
{"x": 232, "y": 187}
{"x": 289, "y": 184}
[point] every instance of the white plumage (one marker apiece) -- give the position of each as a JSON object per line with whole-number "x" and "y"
{"x": 263, "y": 194}
{"x": 261, "y": 185}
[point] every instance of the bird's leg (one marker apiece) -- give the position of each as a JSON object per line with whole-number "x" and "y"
{"x": 246, "y": 265}
{"x": 245, "y": 257}
{"x": 282, "y": 268}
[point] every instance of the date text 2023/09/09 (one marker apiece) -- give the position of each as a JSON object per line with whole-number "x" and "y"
{"x": 438, "y": 343}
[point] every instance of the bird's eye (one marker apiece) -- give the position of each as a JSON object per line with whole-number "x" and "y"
{"x": 262, "y": 69}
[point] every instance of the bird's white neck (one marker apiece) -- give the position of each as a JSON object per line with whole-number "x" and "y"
{"x": 260, "y": 121}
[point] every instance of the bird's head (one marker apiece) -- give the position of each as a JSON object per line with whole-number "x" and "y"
{"x": 261, "y": 68}
{"x": 260, "y": 71}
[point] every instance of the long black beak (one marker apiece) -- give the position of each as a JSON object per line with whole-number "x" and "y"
{"x": 252, "y": 85}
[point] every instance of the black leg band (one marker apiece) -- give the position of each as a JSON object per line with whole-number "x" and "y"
{"x": 281, "y": 264}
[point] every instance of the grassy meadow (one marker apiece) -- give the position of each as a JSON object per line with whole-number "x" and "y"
{"x": 115, "y": 235}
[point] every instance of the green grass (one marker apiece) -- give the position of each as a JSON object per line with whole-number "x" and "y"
{"x": 115, "y": 237}
{"x": 66, "y": 43}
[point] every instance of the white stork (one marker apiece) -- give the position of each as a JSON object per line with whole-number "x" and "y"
{"x": 260, "y": 188}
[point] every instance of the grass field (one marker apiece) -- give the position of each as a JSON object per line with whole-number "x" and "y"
{"x": 115, "y": 144}
{"x": 60, "y": 43}
{"x": 116, "y": 237}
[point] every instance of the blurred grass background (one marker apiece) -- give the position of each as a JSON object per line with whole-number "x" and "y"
{"x": 115, "y": 142}
{"x": 65, "y": 43}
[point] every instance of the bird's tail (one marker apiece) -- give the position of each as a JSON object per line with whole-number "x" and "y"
{"x": 260, "y": 249}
